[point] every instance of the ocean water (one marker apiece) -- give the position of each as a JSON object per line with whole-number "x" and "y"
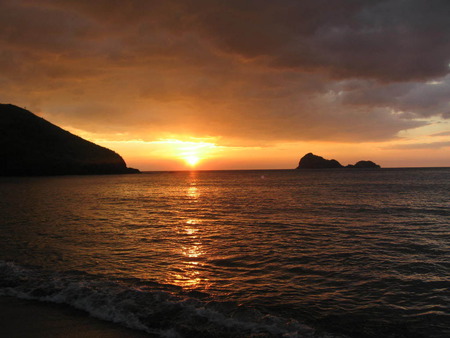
{"x": 282, "y": 253}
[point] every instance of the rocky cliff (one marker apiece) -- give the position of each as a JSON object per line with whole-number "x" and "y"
{"x": 30, "y": 145}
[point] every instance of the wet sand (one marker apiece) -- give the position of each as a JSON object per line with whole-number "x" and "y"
{"x": 26, "y": 319}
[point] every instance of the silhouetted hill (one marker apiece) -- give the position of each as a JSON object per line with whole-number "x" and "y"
{"x": 311, "y": 161}
{"x": 363, "y": 164}
{"x": 30, "y": 145}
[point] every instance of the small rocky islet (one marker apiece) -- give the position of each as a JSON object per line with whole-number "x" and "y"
{"x": 311, "y": 161}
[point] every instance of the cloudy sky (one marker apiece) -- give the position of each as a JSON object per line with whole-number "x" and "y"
{"x": 236, "y": 84}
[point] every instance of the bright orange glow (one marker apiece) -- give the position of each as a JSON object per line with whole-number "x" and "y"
{"x": 193, "y": 152}
{"x": 188, "y": 152}
{"x": 192, "y": 160}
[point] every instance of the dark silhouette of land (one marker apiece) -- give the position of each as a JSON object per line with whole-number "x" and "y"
{"x": 364, "y": 164}
{"x": 32, "y": 146}
{"x": 311, "y": 161}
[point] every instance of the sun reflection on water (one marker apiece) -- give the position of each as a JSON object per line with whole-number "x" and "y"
{"x": 193, "y": 193}
{"x": 189, "y": 273}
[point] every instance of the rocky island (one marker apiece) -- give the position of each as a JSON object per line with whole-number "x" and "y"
{"x": 311, "y": 161}
{"x": 32, "y": 146}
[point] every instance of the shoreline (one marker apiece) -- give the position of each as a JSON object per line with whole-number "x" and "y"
{"x": 28, "y": 318}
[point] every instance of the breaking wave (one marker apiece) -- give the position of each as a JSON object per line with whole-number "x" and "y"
{"x": 165, "y": 310}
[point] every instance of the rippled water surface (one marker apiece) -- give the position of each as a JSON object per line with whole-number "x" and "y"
{"x": 359, "y": 253}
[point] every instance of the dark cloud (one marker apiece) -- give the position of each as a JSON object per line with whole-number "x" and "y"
{"x": 245, "y": 71}
{"x": 413, "y": 99}
{"x": 384, "y": 40}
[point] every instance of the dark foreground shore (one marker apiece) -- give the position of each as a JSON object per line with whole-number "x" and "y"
{"x": 24, "y": 318}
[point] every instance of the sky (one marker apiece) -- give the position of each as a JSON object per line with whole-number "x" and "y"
{"x": 236, "y": 84}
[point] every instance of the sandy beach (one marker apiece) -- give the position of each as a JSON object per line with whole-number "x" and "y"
{"x": 24, "y": 318}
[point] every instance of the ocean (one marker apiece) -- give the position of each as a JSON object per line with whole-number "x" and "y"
{"x": 264, "y": 253}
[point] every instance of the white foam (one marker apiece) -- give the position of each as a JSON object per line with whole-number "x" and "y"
{"x": 157, "y": 312}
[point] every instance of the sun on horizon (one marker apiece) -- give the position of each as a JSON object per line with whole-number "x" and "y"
{"x": 192, "y": 160}
{"x": 192, "y": 153}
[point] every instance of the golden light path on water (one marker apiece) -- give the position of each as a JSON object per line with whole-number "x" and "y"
{"x": 188, "y": 275}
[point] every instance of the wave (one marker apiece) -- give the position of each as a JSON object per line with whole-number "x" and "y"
{"x": 160, "y": 309}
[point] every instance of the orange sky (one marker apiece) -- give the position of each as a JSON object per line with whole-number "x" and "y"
{"x": 236, "y": 84}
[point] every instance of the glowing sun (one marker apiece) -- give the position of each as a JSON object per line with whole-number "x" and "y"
{"x": 189, "y": 152}
{"x": 194, "y": 152}
{"x": 192, "y": 160}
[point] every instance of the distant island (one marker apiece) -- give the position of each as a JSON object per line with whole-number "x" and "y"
{"x": 311, "y": 161}
{"x": 32, "y": 146}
